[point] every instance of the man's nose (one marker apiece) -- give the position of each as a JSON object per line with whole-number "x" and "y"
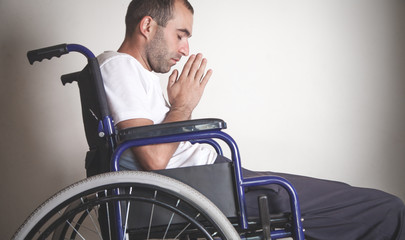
{"x": 184, "y": 48}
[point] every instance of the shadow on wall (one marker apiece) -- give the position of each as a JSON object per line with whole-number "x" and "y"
{"x": 35, "y": 111}
{"x": 397, "y": 144}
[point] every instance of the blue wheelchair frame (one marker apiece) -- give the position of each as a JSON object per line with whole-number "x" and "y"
{"x": 106, "y": 129}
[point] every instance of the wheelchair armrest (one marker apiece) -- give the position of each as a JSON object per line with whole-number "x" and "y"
{"x": 166, "y": 129}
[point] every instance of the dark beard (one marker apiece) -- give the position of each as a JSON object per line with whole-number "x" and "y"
{"x": 156, "y": 52}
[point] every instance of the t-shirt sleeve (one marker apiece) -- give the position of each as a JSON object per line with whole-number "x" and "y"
{"x": 126, "y": 89}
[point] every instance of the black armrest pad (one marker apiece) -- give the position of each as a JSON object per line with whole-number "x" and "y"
{"x": 172, "y": 128}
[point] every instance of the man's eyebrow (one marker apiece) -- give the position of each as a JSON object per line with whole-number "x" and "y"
{"x": 185, "y": 31}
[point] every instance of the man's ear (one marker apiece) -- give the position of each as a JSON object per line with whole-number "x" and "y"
{"x": 147, "y": 26}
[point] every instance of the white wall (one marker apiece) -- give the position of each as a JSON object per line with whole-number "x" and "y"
{"x": 307, "y": 87}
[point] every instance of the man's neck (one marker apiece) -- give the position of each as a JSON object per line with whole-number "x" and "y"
{"x": 130, "y": 47}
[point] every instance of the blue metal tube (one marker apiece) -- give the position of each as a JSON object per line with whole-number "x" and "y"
{"x": 211, "y": 142}
{"x": 108, "y": 126}
{"x": 241, "y": 182}
{"x": 176, "y": 138}
{"x": 81, "y": 49}
{"x": 192, "y": 136}
{"x": 294, "y": 203}
{"x": 280, "y": 234}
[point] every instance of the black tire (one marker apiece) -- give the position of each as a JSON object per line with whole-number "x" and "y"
{"x": 157, "y": 207}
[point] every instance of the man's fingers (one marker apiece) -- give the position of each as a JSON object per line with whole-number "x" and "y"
{"x": 187, "y": 66}
{"x": 194, "y": 70}
{"x": 200, "y": 72}
{"x": 173, "y": 78}
{"x": 195, "y": 65}
{"x": 207, "y": 77}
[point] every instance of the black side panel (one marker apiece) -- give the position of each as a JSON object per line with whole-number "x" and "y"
{"x": 98, "y": 157}
{"x": 215, "y": 181}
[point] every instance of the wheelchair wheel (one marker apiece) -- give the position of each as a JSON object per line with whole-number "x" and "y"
{"x": 148, "y": 205}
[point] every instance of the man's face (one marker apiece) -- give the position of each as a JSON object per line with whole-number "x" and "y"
{"x": 170, "y": 43}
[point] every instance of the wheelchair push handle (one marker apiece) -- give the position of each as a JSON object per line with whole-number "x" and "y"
{"x": 57, "y": 51}
{"x": 48, "y": 53}
{"x": 94, "y": 69}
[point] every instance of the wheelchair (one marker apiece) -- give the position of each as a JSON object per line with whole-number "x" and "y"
{"x": 199, "y": 202}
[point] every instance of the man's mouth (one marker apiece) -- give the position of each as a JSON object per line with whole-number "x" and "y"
{"x": 175, "y": 60}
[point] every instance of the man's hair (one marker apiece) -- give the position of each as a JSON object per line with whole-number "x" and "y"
{"x": 160, "y": 10}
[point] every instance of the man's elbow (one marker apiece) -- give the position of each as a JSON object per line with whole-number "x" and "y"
{"x": 151, "y": 158}
{"x": 154, "y": 164}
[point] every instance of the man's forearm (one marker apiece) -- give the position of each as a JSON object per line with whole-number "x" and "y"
{"x": 157, "y": 156}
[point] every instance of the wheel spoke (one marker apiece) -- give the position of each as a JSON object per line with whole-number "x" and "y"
{"x": 127, "y": 215}
{"x": 171, "y": 219}
{"x": 108, "y": 216}
{"x": 94, "y": 224}
{"x": 151, "y": 215}
{"x": 75, "y": 230}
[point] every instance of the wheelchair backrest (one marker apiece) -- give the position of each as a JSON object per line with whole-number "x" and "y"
{"x": 99, "y": 154}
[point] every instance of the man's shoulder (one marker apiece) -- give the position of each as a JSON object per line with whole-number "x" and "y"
{"x": 123, "y": 64}
{"x": 111, "y": 55}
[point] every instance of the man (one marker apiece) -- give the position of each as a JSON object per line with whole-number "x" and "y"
{"x": 156, "y": 38}
{"x": 154, "y": 45}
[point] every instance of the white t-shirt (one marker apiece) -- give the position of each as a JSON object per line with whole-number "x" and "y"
{"x": 134, "y": 92}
